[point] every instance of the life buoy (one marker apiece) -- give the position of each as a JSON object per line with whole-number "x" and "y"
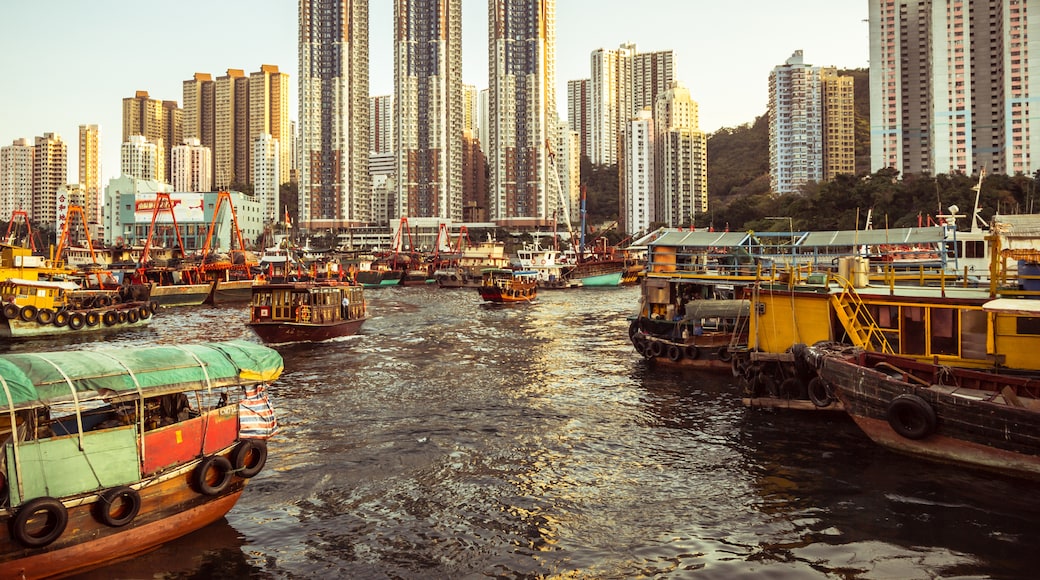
{"x": 249, "y": 457}
{"x": 213, "y": 475}
{"x": 11, "y": 310}
{"x": 76, "y": 320}
{"x": 45, "y": 316}
{"x": 92, "y": 318}
{"x": 911, "y": 416}
{"x": 110, "y": 318}
{"x": 131, "y": 315}
{"x": 820, "y": 393}
{"x": 54, "y": 515}
{"x": 691, "y": 351}
{"x": 61, "y": 319}
{"x": 724, "y": 354}
{"x": 143, "y": 313}
{"x": 28, "y": 313}
{"x": 675, "y": 353}
{"x": 118, "y": 506}
{"x": 792, "y": 388}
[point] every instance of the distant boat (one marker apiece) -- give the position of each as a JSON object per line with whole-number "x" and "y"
{"x": 121, "y": 450}
{"x": 947, "y": 414}
{"x": 306, "y": 311}
{"x": 503, "y": 285}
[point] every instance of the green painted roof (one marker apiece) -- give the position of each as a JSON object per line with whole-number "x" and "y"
{"x": 35, "y": 379}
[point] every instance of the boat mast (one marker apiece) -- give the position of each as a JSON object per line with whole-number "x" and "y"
{"x": 976, "y": 219}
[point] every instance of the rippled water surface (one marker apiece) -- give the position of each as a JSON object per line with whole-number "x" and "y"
{"x": 453, "y": 439}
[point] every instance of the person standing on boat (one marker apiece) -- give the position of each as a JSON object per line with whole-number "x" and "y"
{"x": 345, "y": 306}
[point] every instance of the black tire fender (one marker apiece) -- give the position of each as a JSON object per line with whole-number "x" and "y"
{"x": 675, "y": 353}
{"x": 144, "y": 313}
{"x": 691, "y": 352}
{"x": 724, "y": 354}
{"x": 28, "y": 313}
{"x": 11, "y": 310}
{"x": 820, "y": 393}
{"x": 131, "y": 316}
{"x": 249, "y": 457}
{"x": 92, "y": 318}
{"x": 118, "y": 506}
{"x": 217, "y": 465}
{"x": 77, "y": 320}
{"x": 56, "y": 519}
{"x": 110, "y": 318}
{"x": 656, "y": 348}
{"x": 911, "y": 416}
{"x": 61, "y": 319}
{"x": 45, "y": 316}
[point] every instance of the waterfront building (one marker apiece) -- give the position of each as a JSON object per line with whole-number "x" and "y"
{"x": 50, "y": 172}
{"x": 111, "y": 216}
{"x": 952, "y": 86}
{"x": 68, "y": 195}
{"x": 428, "y": 102}
{"x": 16, "y": 178}
{"x": 638, "y": 206}
{"x": 90, "y": 175}
{"x": 381, "y": 124}
{"x": 680, "y": 159}
{"x": 335, "y": 185}
{"x": 141, "y": 159}
{"x": 192, "y": 166}
{"x": 522, "y": 111}
{"x": 267, "y": 164}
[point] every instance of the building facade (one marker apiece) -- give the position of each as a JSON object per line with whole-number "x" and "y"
{"x": 638, "y": 206}
{"x": 267, "y": 177}
{"x": 429, "y": 107}
{"x": 141, "y": 159}
{"x": 50, "y": 172}
{"x": 381, "y": 124}
{"x": 16, "y": 178}
{"x": 951, "y": 86}
{"x": 795, "y": 125}
{"x": 578, "y": 112}
{"x": 610, "y": 102}
{"x": 90, "y": 176}
{"x": 522, "y": 113}
{"x": 839, "y": 124}
{"x": 335, "y": 185}
{"x": 192, "y": 166}
{"x": 269, "y": 115}
{"x": 680, "y": 159}
{"x": 159, "y": 122}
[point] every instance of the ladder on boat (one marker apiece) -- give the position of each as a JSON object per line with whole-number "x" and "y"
{"x": 857, "y": 320}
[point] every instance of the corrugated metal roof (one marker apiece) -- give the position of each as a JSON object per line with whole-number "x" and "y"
{"x": 847, "y": 238}
{"x": 700, "y": 239}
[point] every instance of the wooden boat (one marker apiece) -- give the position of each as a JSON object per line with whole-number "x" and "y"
{"x": 946, "y": 414}
{"x": 231, "y": 272}
{"x": 178, "y": 282}
{"x": 36, "y": 308}
{"x": 306, "y": 311}
{"x": 503, "y": 285}
{"x": 115, "y": 452}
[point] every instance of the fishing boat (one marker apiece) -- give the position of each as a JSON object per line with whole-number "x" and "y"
{"x": 37, "y": 308}
{"x": 550, "y": 273}
{"x": 178, "y": 281}
{"x": 231, "y": 271}
{"x": 502, "y": 285}
{"x": 961, "y": 416}
{"x": 306, "y": 311}
{"x": 111, "y": 453}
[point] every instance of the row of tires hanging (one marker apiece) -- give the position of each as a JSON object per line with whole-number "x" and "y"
{"x": 77, "y": 319}
{"x": 41, "y": 521}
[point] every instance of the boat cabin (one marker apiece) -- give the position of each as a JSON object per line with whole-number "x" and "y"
{"x": 307, "y": 303}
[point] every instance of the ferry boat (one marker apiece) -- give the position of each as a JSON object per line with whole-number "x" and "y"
{"x": 308, "y": 311}
{"x": 502, "y": 285}
{"x": 113, "y": 452}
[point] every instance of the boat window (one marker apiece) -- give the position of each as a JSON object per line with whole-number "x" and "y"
{"x": 913, "y": 334}
{"x": 974, "y": 249}
{"x": 1027, "y": 325}
{"x": 944, "y": 331}
{"x": 973, "y": 334}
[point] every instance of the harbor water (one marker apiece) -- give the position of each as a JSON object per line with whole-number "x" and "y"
{"x": 455, "y": 439}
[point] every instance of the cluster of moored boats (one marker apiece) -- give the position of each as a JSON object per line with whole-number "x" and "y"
{"x": 929, "y": 353}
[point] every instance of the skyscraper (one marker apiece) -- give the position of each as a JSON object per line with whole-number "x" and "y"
{"x": 680, "y": 158}
{"x": 610, "y": 102}
{"x": 578, "y": 111}
{"x": 159, "y": 122}
{"x": 90, "y": 176}
{"x": 381, "y": 124}
{"x": 428, "y": 101}
{"x": 638, "y": 207}
{"x": 141, "y": 159}
{"x": 50, "y": 172}
{"x": 795, "y": 125}
{"x": 335, "y": 185}
{"x": 192, "y": 167}
{"x": 231, "y": 129}
{"x": 269, "y": 115}
{"x": 522, "y": 110}
{"x": 16, "y": 178}
{"x": 839, "y": 123}
{"x": 951, "y": 86}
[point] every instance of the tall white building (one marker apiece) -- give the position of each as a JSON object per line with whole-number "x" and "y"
{"x": 141, "y": 159}
{"x": 335, "y": 186}
{"x": 610, "y": 102}
{"x": 192, "y": 166}
{"x": 680, "y": 159}
{"x": 522, "y": 111}
{"x": 50, "y": 172}
{"x": 267, "y": 175}
{"x": 16, "y": 178}
{"x": 795, "y": 125}
{"x": 638, "y": 206}
{"x": 429, "y": 108}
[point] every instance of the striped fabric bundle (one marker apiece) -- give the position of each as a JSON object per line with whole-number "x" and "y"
{"x": 255, "y": 414}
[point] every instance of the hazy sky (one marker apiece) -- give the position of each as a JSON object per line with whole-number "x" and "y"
{"x": 70, "y": 62}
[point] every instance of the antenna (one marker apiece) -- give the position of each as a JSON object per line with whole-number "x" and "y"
{"x": 976, "y": 219}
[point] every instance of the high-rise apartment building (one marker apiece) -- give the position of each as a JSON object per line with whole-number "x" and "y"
{"x": 269, "y": 115}
{"x": 680, "y": 159}
{"x": 381, "y": 124}
{"x": 231, "y": 129}
{"x": 428, "y": 102}
{"x": 267, "y": 162}
{"x": 568, "y": 165}
{"x": 470, "y": 108}
{"x": 952, "y": 84}
{"x": 839, "y": 123}
{"x": 474, "y": 179}
{"x": 522, "y": 110}
{"x": 652, "y": 74}
{"x": 50, "y": 172}
{"x": 638, "y": 206}
{"x": 90, "y": 176}
{"x": 16, "y": 178}
{"x": 795, "y": 125}
{"x": 159, "y": 122}
{"x": 141, "y": 159}
{"x": 192, "y": 167}
{"x": 335, "y": 185}
{"x": 578, "y": 111}
{"x": 610, "y": 102}
{"x": 199, "y": 110}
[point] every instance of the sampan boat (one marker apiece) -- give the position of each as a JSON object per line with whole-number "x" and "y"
{"x": 110, "y": 453}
